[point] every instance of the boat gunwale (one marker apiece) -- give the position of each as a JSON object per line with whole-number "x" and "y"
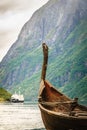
{"x": 60, "y": 114}
{"x": 42, "y": 86}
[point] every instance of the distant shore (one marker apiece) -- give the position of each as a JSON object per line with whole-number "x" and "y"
{"x": 4, "y": 95}
{"x": 2, "y": 100}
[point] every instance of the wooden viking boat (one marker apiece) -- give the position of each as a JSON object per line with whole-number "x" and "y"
{"x": 58, "y": 111}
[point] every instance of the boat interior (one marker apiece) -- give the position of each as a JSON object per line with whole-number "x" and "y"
{"x": 54, "y": 100}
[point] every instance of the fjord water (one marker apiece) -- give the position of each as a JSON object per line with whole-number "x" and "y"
{"x": 20, "y": 116}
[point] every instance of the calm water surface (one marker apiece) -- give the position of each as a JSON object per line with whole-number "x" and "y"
{"x": 18, "y": 116}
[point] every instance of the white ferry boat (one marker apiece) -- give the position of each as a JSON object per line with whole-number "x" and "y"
{"x": 17, "y": 97}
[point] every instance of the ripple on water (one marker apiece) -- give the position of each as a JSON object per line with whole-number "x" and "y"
{"x": 20, "y": 117}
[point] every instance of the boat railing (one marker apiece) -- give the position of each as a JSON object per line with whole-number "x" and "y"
{"x": 55, "y": 103}
{"x": 70, "y": 111}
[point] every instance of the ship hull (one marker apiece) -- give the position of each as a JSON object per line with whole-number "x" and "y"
{"x": 17, "y": 101}
{"x": 59, "y": 122}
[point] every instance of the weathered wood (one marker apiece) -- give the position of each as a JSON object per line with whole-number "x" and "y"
{"x": 58, "y": 111}
{"x": 45, "y": 61}
{"x": 55, "y": 103}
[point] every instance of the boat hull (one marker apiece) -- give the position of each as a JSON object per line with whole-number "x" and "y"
{"x": 17, "y": 101}
{"x": 54, "y": 121}
{"x": 58, "y": 111}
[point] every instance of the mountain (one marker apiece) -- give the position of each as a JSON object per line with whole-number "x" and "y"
{"x": 62, "y": 24}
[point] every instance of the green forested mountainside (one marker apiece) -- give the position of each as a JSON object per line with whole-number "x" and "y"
{"x": 64, "y": 30}
{"x": 70, "y": 67}
{"x": 4, "y": 95}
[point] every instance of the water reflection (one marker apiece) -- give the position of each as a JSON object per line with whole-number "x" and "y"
{"x": 15, "y": 116}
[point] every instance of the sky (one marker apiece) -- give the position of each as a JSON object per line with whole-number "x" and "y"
{"x": 13, "y": 15}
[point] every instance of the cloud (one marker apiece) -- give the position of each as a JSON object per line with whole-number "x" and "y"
{"x": 16, "y": 12}
{"x": 18, "y": 5}
{"x": 6, "y": 40}
{"x": 10, "y": 26}
{"x": 13, "y": 15}
{"x": 11, "y": 5}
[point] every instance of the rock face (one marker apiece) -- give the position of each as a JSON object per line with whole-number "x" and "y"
{"x": 62, "y": 24}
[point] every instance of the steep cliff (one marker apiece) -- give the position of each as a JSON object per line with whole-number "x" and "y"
{"x": 62, "y": 24}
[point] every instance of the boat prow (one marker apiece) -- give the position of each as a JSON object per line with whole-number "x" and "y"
{"x": 58, "y": 111}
